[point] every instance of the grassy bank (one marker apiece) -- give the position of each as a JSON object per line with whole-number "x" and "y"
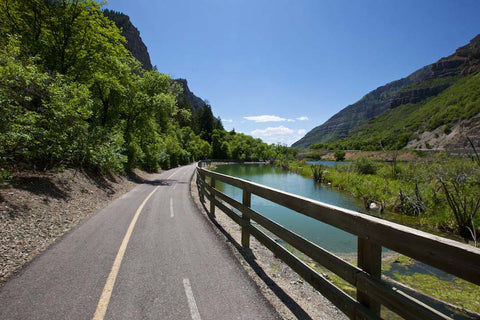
{"x": 437, "y": 193}
{"x": 416, "y": 275}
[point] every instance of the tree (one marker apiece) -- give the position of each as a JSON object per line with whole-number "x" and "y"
{"x": 460, "y": 183}
{"x": 44, "y": 117}
{"x": 339, "y": 155}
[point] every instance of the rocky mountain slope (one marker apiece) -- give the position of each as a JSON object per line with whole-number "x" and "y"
{"x": 418, "y": 87}
{"x": 134, "y": 42}
{"x": 139, "y": 50}
{"x": 188, "y": 96}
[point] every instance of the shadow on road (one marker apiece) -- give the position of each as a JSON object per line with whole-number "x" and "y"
{"x": 294, "y": 307}
{"x": 154, "y": 182}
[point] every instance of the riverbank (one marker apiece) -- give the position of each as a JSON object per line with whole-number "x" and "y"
{"x": 329, "y": 155}
{"x": 37, "y": 208}
{"x": 437, "y": 193}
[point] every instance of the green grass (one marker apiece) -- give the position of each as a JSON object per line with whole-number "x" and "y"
{"x": 455, "y": 291}
{"x": 385, "y": 185}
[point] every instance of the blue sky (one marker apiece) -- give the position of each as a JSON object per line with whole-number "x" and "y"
{"x": 276, "y": 69}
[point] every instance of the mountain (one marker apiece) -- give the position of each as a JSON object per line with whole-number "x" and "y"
{"x": 134, "y": 42}
{"x": 187, "y": 96}
{"x": 350, "y": 125}
{"x": 139, "y": 50}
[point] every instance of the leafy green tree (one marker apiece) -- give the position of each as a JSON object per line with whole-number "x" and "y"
{"x": 339, "y": 155}
{"x": 71, "y": 94}
{"x": 44, "y": 117}
{"x": 150, "y": 106}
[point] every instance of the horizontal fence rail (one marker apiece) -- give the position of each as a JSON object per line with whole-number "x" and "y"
{"x": 373, "y": 233}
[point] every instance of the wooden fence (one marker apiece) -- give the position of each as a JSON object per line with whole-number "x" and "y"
{"x": 372, "y": 289}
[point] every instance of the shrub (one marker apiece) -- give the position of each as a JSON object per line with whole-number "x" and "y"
{"x": 459, "y": 183}
{"x": 420, "y": 153}
{"x": 339, "y": 155}
{"x": 318, "y": 171}
{"x": 365, "y": 166}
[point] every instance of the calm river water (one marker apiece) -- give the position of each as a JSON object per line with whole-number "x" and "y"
{"x": 328, "y": 237}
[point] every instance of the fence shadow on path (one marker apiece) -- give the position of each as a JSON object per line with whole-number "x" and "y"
{"x": 247, "y": 254}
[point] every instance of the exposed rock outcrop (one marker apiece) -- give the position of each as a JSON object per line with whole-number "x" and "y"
{"x": 354, "y": 115}
{"x": 188, "y": 96}
{"x": 417, "y": 95}
{"x": 134, "y": 42}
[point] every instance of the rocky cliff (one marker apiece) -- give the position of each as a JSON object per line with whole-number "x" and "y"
{"x": 187, "y": 96}
{"x": 139, "y": 50}
{"x": 134, "y": 42}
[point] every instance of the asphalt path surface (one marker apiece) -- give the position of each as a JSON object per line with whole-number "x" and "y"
{"x": 148, "y": 255}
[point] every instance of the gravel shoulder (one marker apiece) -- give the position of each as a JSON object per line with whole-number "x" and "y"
{"x": 38, "y": 208}
{"x": 292, "y": 297}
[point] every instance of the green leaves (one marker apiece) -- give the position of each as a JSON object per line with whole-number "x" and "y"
{"x": 72, "y": 95}
{"x": 44, "y": 116}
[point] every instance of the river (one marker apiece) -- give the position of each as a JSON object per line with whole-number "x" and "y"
{"x": 328, "y": 237}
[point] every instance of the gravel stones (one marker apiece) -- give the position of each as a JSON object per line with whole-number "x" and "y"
{"x": 41, "y": 207}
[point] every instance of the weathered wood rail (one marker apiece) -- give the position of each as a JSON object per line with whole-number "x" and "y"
{"x": 373, "y": 289}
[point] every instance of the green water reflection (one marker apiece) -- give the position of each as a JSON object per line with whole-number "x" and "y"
{"x": 328, "y": 237}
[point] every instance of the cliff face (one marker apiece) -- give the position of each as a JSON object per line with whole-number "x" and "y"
{"x": 134, "y": 42}
{"x": 424, "y": 83}
{"x": 139, "y": 50}
{"x": 187, "y": 96}
{"x": 465, "y": 60}
{"x": 417, "y": 95}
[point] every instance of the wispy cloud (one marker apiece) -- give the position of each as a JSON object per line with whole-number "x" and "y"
{"x": 267, "y": 118}
{"x": 302, "y": 118}
{"x": 227, "y": 120}
{"x": 301, "y": 131}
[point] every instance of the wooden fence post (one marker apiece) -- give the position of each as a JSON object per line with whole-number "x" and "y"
{"x": 212, "y": 201}
{"x": 369, "y": 259}
{"x": 201, "y": 190}
{"x": 246, "y": 200}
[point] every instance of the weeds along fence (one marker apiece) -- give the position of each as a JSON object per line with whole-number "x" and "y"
{"x": 372, "y": 289}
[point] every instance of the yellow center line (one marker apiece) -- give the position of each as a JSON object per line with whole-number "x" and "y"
{"x": 107, "y": 290}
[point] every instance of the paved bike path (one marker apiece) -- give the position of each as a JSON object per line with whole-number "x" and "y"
{"x": 173, "y": 266}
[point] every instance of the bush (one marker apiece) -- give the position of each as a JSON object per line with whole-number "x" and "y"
{"x": 317, "y": 146}
{"x": 339, "y": 155}
{"x": 5, "y": 176}
{"x": 365, "y": 166}
{"x": 318, "y": 171}
{"x": 420, "y": 153}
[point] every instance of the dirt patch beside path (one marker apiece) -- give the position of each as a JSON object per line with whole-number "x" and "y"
{"x": 40, "y": 207}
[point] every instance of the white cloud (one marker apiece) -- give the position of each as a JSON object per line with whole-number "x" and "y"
{"x": 273, "y": 131}
{"x": 267, "y": 118}
{"x": 227, "y": 120}
{"x": 302, "y": 118}
{"x": 280, "y": 134}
